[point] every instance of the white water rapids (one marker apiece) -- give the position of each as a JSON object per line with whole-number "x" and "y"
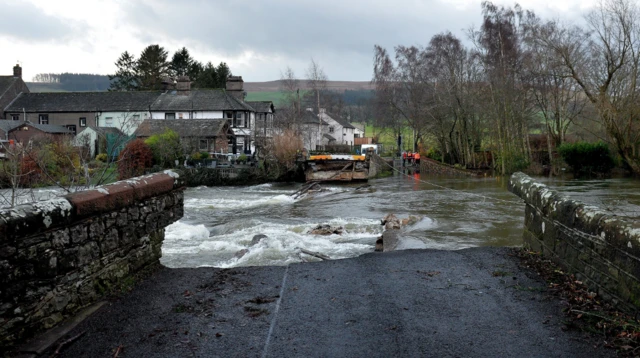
{"x": 219, "y": 222}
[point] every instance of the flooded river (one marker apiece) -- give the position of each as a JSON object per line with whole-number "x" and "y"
{"x": 221, "y": 221}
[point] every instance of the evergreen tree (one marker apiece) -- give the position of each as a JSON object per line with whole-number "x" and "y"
{"x": 212, "y": 76}
{"x": 152, "y": 67}
{"x": 147, "y": 72}
{"x": 126, "y": 77}
{"x": 181, "y": 63}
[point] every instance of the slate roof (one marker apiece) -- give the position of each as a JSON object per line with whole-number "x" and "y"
{"x": 103, "y": 130}
{"x": 309, "y": 117}
{"x": 342, "y": 122}
{"x": 83, "y": 101}
{"x": 7, "y": 125}
{"x": 199, "y": 100}
{"x": 50, "y": 128}
{"x": 5, "y": 83}
{"x": 184, "y": 127}
{"x": 261, "y": 106}
{"x": 330, "y": 138}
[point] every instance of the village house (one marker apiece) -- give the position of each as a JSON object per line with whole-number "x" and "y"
{"x": 10, "y": 88}
{"x": 339, "y": 129}
{"x": 208, "y": 104}
{"x": 26, "y": 132}
{"x": 314, "y": 131}
{"x": 197, "y": 135}
{"x": 262, "y": 121}
{"x": 359, "y": 130}
{"x": 105, "y": 121}
{"x": 78, "y": 110}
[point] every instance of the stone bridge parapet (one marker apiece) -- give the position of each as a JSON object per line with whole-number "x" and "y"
{"x": 61, "y": 255}
{"x": 602, "y": 250}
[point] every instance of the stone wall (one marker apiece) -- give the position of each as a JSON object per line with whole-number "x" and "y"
{"x": 61, "y": 255}
{"x": 602, "y": 250}
{"x": 378, "y": 165}
{"x": 430, "y": 166}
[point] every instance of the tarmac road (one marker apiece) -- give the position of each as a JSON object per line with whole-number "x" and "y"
{"x": 418, "y": 303}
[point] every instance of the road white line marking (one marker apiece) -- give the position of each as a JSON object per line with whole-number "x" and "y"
{"x": 275, "y": 314}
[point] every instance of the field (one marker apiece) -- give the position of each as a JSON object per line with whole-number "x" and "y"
{"x": 389, "y": 139}
{"x": 274, "y": 96}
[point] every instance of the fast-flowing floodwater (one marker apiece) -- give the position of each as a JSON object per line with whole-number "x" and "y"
{"x": 219, "y": 222}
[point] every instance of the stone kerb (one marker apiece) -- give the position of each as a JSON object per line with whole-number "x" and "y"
{"x": 601, "y": 249}
{"x": 63, "y": 254}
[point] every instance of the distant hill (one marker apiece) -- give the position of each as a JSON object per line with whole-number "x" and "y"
{"x": 274, "y": 86}
{"x": 68, "y": 82}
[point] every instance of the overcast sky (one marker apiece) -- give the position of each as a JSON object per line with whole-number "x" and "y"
{"x": 257, "y": 38}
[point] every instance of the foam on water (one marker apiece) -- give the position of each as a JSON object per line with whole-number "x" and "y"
{"x": 185, "y": 243}
{"x": 230, "y": 203}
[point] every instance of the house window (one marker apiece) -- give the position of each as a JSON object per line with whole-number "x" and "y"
{"x": 15, "y": 117}
{"x": 169, "y": 116}
{"x": 43, "y": 118}
{"x": 239, "y": 122}
{"x": 204, "y": 145}
{"x": 330, "y": 129}
{"x": 181, "y": 115}
{"x": 72, "y": 128}
{"x": 136, "y": 119}
{"x": 83, "y": 122}
{"x": 229, "y": 115}
{"x": 108, "y": 121}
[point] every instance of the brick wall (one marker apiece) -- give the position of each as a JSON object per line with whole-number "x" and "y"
{"x": 61, "y": 255}
{"x": 602, "y": 250}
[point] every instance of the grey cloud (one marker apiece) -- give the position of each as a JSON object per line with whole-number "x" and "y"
{"x": 24, "y": 21}
{"x": 339, "y": 34}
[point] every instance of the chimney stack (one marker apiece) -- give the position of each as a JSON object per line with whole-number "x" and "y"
{"x": 17, "y": 71}
{"x": 235, "y": 87}
{"x": 183, "y": 85}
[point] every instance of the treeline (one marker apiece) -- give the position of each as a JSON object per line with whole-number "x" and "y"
{"x": 152, "y": 67}
{"x": 75, "y": 81}
{"x": 521, "y": 75}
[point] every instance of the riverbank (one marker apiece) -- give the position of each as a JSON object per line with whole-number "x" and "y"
{"x": 474, "y": 303}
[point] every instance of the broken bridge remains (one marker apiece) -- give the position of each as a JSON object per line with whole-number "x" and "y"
{"x": 602, "y": 250}
{"x": 64, "y": 254}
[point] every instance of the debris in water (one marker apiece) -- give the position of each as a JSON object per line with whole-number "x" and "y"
{"x": 324, "y": 229}
{"x": 315, "y": 254}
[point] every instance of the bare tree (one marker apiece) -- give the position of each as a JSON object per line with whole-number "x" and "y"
{"x": 317, "y": 83}
{"x": 289, "y": 112}
{"x": 13, "y": 176}
{"x": 605, "y": 63}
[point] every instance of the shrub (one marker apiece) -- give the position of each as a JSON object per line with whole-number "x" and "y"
{"x": 242, "y": 158}
{"x": 434, "y": 154}
{"x": 587, "y": 159}
{"x": 166, "y": 147}
{"x": 133, "y": 159}
{"x": 102, "y": 157}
